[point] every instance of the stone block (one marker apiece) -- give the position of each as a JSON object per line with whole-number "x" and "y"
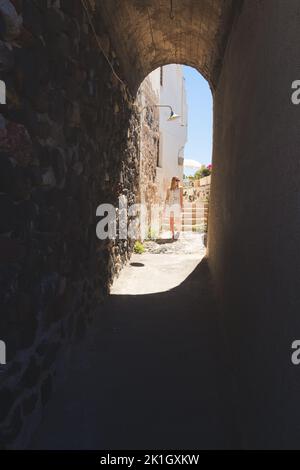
{"x": 8, "y": 220}
{"x": 48, "y": 177}
{"x": 29, "y": 404}
{"x": 11, "y": 251}
{"x": 31, "y": 375}
{"x": 54, "y": 21}
{"x": 57, "y": 105}
{"x": 6, "y": 58}
{"x": 18, "y": 321}
{"x": 21, "y": 184}
{"x": 6, "y": 173}
{"x": 46, "y": 390}
{"x": 58, "y": 163}
{"x": 7, "y": 399}
{"x": 73, "y": 9}
{"x": 10, "y": 431}
{"x": 32, "y": 17}
{"x": 50, "y": 355}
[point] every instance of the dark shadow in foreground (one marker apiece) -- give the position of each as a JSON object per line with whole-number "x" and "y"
{"x": 151, "y": 375}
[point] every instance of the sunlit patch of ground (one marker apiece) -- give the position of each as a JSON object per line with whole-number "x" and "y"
{"x": 164, "y": 265}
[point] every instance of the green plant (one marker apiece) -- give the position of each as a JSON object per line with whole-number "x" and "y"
{"x": 201, "y": 229}
{"x": 139, "y": 248}
{"x": 152, "y": 234}
{"x": 202, "y": 172}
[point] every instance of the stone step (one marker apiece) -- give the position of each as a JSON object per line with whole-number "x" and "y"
{"x": 194, "y": 212}
{"x": 191, "y": 214}
{"x": 185, "y": 219}
{"x": 189, "y": 224}
{"x": 186, "y": 227}
{"x": 197, "y": 209}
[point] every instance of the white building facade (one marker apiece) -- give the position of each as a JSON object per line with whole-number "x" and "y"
{"x": 173, "y": 134}
{"x": 162, "y": 140}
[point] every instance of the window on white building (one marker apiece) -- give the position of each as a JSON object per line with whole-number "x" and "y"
{"x": 161, "y": 76}
{"x": 159, "y": 152}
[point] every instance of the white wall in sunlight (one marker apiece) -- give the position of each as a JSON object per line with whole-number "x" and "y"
{"x": 173, "y": 134}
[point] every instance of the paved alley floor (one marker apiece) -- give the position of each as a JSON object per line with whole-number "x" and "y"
{"x": 152, "y": 373}
{"x": 163, "y": 266}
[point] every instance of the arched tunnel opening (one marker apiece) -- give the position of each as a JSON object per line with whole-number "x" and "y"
{"x": 175, "y": 111}
{"x": 69, "y": 140}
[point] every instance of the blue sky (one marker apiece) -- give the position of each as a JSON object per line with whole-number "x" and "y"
{"x": 200, "y": 118}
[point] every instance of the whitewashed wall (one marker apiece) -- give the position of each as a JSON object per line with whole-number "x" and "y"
{"x": 173, "y": 135}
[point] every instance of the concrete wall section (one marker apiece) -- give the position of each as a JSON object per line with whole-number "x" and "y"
{"x": 254, "y": 218}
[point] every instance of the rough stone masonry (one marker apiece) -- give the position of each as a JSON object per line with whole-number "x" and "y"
{"x": 68, "y": 142}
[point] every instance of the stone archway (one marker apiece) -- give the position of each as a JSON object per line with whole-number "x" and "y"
{"x": 149, "y": 34}
{"x": 247, "y": 52}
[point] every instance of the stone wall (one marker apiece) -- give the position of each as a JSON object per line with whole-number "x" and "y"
{"x": 68, "y": 142}
{"x": 146, "y": 99}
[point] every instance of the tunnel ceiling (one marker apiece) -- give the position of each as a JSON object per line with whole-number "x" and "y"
{"x": 148, "y": 33}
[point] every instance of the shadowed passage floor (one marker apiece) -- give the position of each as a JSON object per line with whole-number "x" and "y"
{"x": 151, "y": 374}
